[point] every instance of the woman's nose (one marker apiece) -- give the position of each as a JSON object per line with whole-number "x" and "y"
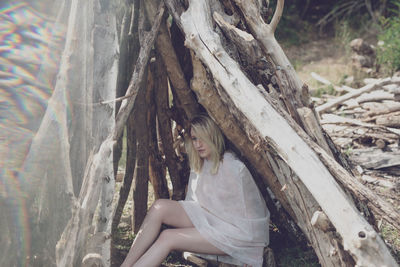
{"x": 197, "y": 143}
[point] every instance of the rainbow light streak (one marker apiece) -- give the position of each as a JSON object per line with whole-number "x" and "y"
{"x": 16, "y": 201}
{"x": 27, "y": 69}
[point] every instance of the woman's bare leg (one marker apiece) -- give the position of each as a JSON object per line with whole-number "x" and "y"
{"x": 182, "y": 239}
{"x": 165, "y": 211}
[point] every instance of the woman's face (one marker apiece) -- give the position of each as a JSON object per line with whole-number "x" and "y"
{"x": 201, "y": 147}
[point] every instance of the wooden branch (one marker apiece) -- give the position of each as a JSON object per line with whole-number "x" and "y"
{"x": 129, "y": 171}
{"x": 360, "y": 239}
{"x": 341, "y": 99}
{"x": 392, "y": 120}
{"x": 332, "y": 118}
{"x": 174, "y": 70}
{"x": 130, "y": 43}
{"x": 122, "y": 85}
{"x": 141, "y": 173}
{"x": 322, "y": 80}
{"x": 290, "y": 84}
{"x": 220, "y": 7}
{"x": 250, "y": 51}
{"x": 383, "y": 183}
{"x": 252, "y": 57}
{"x": 377, "y": 159}
{"x": 277, "y": 15}
{"x": 378, "y": 138}
{"x": 157, "y": 171}
{"x": 137, "y": 75}
{"x": 173, "y": 163}
{"x": 313, "y": 128}
{"x": 175, "y": 73}
{"x": 378, "y": 206}
{"x": 321, "y": 221}
{"x": 378, "y": 95}
{"x": 379, "y": 109}
{"x": 175, "y": 8}
{"x": 195, "y": 259}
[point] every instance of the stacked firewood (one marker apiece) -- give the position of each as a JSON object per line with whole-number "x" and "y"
{"x": 365, "y": 124}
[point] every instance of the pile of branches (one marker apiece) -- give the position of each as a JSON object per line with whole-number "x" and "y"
{"x": 365, "y": 124}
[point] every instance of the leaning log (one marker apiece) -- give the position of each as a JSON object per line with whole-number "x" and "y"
{"x": 157, "y": 168}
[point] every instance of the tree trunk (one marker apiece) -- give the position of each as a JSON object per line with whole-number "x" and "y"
{"x": 129, "y": 170}
{"x": 157, "y": 166}
{"x": 141, "y": 176}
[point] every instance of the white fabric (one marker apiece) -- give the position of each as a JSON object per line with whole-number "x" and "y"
{"x": 228, "y": 210}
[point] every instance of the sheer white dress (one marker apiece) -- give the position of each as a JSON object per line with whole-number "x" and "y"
{"x": 228, "y": 210}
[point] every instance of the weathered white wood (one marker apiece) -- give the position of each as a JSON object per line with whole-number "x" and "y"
{"x": 349, "y": 133}
{"x": 93, "y": 260}
{"x": 377, "y": 159}
{"x": 359, "y": 239}
{"x": 195, "y": 259}
{"x": 302, "y": 204}
{"x": 389, "y": 120}
{"x": 105, "y": 42}
{"x": 100, "y": 168}
{"x": 378, "y": 95}
{"x": 375, "y": 108}
{"x": 378, "y": 181}
{"x": 264, "y": 34}
{"x": 351, "y": 103}
{"x": 311, "y": 124}
{"x": 365, "y": 89}
{"x": 322, "y": 80}
{"x": 321, "y": 221}
{"x": 332, "y": 118}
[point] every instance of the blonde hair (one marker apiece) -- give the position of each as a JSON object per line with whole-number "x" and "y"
{"x": 205, "y": 129}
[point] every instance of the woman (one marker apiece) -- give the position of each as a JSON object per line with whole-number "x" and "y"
{"x": 223, "y": 212}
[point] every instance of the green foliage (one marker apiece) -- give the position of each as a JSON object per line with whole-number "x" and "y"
{"x": 292, "y": 29}
{"x": 388, "y": 54}
{"x": 327, "y": 90}
{"x": 295, "y": 256}
{"x": 344, "y": 33}
{"x": 122, "y": 160}
{"x": 391, "y": 236}
{"x": 348, "y": 150}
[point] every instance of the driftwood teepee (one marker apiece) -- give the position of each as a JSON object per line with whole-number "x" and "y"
{"x": 178, "y": 58}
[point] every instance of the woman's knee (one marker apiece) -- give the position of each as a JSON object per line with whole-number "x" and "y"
{"x": 166, "y": 239}
{"x": 159, "y": 208}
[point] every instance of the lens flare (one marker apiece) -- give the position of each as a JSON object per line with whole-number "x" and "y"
{"x": 29, "y": 51}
